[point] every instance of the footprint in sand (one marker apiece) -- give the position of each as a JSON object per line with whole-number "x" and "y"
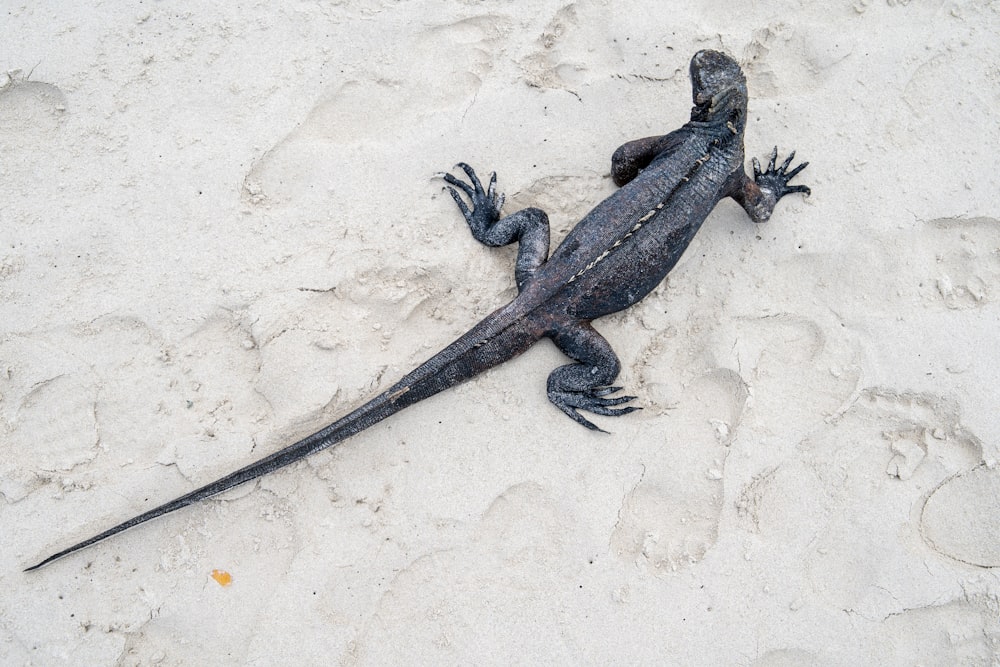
{"x": 961, "y": 518}
{"x": 31, "y": 111}
{"x": 791, "y": 376}
{"x": 443, "y": 75}
{"x": 963, "y": 260}
{"x": 847, "y": 505}
{"x": 789, "y": 657}
{"x": 965, "y": 632}
{"x": 545, "y": 67}
{"x": 670, "y": 518}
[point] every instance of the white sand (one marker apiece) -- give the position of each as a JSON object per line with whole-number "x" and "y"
{"x": 219, "y": 230}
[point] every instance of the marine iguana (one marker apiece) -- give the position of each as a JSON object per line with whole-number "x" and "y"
{"x": 614, "y": 257}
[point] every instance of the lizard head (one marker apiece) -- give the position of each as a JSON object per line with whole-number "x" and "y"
{"x": 718, "y": 88}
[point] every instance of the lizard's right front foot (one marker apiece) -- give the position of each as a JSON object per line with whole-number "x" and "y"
{"x": 486, "y": 204}
{"x": 774, "y": 181}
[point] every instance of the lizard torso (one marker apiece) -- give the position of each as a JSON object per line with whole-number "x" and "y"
{"x": 644, "y": 227}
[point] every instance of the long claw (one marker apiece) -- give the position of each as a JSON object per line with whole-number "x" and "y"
{"x": 580, "y": 419}
{"x": 471, "y": 173}
{"x": 612, "y": 412}
{"x": 491, "y": 190}
{"x": 617, "y": 400}
{"x": 461, "y": 204}
{"x": 465, "y": 187}
{"x": 788, "y": 161}
{"x": 615, "y": 412}
{"x": 756, "y": 168}
{"x": 773, "y": 160}
{"x": 799, "y": 168}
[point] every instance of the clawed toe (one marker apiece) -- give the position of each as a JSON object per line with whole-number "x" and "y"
{"x": 570, "y": 402}
{"x": 462, "y": 206}
{"x": 462, "y": 185}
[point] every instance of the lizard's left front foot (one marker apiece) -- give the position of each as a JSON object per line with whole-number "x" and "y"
{"x": 774, "y": 181}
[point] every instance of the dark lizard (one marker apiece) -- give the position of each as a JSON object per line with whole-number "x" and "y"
{"x": 616, "y": 255}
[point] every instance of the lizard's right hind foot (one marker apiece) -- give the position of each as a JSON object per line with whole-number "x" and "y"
{"x": 585, "y": 385}
{"x": 591, "y": 401}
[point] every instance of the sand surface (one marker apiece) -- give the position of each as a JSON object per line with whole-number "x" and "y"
{"x": 219, "y": 229}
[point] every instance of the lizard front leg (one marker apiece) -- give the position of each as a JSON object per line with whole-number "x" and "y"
{"x": 529, "y": 227}
{"x": 585, "y": 385}
{"x": 632, "y": 157}
{"x": 759, "y": 196}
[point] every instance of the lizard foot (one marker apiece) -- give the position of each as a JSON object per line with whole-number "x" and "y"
{"x": 592, "y": 401}
{"x": 486, "y": 204}
{"x": 774, "y": 181}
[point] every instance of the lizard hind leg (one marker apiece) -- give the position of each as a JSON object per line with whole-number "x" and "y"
{"x": 529, "y": 227}
{"x": 585, "y": 385}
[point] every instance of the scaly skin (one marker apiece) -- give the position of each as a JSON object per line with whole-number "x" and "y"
{"x": 614, "y": 257}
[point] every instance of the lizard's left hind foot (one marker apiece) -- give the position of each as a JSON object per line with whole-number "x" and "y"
{"x": 486, "y": 204}
{"x": 529, "y": 227}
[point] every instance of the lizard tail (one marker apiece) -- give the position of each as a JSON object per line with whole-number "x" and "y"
{"x": 493, "y": 341}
